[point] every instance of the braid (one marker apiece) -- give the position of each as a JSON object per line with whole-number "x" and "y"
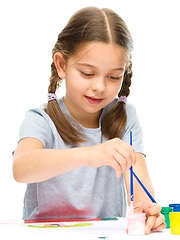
{"x": 125, "y": 91}
{"x": 114, "y": 121}
{"x": 70, "y": 134}
{"x": 55, "y": 81}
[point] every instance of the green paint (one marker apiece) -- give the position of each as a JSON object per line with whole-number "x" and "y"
{"x": 108, "y": 219}
{"x": 68, "y": 226}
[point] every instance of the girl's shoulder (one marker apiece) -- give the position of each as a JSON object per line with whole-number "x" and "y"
{"x": 37, "y": 124}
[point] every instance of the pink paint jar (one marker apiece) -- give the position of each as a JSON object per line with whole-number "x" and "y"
{"x": 136, "y": 223}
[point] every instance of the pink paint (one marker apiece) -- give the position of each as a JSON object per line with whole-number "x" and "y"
{"x": 136, "y": 222}
{"x": 131, "y": 209}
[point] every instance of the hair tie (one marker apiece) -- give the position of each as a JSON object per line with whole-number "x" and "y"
{"x": 122, "y": 99}
{"x": 52, "y": 96}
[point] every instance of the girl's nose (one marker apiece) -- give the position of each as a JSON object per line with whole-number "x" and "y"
{"x": 99, "y": 85}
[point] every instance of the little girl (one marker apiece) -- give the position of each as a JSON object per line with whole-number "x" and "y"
{"x": 74, "y": 152}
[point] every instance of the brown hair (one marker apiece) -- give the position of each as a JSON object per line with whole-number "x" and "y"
{"x": 88, "y": 25}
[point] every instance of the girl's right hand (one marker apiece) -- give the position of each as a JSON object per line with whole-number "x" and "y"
{"x": 115, "y": 153}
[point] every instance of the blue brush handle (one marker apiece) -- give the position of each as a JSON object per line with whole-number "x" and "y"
{"x": 131, "y": 173}
{"x": 149, "y": 195}
{"x": 131, "y": 179}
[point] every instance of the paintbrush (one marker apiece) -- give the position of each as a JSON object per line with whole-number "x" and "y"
{"x": 131, "y": 180}
{"x": 144, "y": 188}
{"x": 131, "y": 177}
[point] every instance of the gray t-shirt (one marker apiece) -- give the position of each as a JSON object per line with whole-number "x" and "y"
{"x": 84, "y": 192}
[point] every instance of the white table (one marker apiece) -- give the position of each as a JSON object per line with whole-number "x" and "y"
{"x": 97, "y": 230}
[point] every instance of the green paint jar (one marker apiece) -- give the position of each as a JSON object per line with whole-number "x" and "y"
{"x": 165, "y": 211}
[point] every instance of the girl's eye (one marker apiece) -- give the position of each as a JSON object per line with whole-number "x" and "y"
{"x": 114, "y": 78}
{"x": 87, "y": 74}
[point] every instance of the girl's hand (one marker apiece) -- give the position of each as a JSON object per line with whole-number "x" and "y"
{"x": 154, "y": 219}
{"x": 115, "y": 153}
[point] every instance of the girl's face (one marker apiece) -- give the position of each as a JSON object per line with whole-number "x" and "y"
{"x": 94, "y": 77}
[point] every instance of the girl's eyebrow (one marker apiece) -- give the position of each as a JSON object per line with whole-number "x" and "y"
{"x": 86, "y": 64}
{"x": 89, "y": 65}
{"x": 118, "y": 69}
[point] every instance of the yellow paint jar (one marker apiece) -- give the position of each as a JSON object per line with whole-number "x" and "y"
{"x": 175, "y": 222}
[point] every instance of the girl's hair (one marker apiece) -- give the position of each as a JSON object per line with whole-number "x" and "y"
{"x": 91, "y": 24}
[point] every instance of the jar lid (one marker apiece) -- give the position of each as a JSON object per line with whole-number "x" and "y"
{"x": 175, "y": 205}
{"x": 165, "y": 210}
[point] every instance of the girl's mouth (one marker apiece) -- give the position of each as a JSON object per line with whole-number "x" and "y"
{"x": 93, "y": 100}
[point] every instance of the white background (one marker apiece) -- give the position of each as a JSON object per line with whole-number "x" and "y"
{"x": 28, "y": 32}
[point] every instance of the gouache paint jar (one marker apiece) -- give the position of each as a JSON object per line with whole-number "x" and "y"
{"x": 165, "y": 211}
{"x": 176, "y": 207}
{"x": 136, "y": 223}
{"x": 175, "y": 222}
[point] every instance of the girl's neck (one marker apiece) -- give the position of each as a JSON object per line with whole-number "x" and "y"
{"x": 87, "y": 120}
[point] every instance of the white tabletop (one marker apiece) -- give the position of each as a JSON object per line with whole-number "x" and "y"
{"x": 92, "y": 230}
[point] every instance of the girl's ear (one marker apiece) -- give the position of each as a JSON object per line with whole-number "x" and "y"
{"x": 60, "y": 64}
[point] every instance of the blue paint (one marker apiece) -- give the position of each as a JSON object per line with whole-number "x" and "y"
{"x": 102, "y": 237}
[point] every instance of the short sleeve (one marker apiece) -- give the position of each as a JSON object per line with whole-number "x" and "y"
{"x": 35, "y": 125}
{"x": 133, "y": 125}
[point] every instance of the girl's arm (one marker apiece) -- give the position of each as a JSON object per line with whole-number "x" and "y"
{"x": 154, "y": 219}
{"x": 32, "y": 163}
{"x": 140, "y": 168}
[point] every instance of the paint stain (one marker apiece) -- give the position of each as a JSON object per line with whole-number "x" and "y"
{"x": 56, "y": 225}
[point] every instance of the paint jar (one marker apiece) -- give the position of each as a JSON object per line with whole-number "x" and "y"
{"x": 165, "y": 211}
{"x": 175, "y": 222}
{"x": 176, "y": 207}
{"x": 136, "y": 223}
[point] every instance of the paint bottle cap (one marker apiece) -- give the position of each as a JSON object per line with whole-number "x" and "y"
{"x": 175, "y": 206}
{"x": 166, "y": 210}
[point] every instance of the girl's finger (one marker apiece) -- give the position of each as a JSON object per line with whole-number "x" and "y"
{"x": 160, "y": 227}
{"x": 130, "y": 150}
{"x": 126, "y": 154}
{"x": 149, "y": 224}
{"x": 120, "y": 160}
{"x": 159, "y": 221}
{"x": 117, "y": 167}
{"x": 154, "y": 209}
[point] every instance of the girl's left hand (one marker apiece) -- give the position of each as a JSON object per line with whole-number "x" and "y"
{"x": 154, "y": 218}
